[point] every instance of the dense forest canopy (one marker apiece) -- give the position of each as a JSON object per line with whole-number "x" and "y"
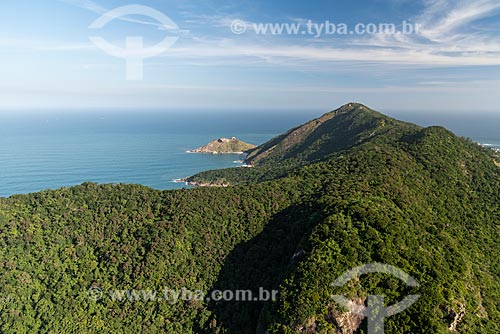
{"x": 350, "y": 188}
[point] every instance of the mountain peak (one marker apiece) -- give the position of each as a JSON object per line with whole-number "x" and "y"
{"x": 353, "y": 107}
{"x": 347, "y": 126}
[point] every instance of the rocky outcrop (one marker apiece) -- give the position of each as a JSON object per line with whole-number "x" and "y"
{"x": 455, "y": 317}
{"x": 224, "y": 146}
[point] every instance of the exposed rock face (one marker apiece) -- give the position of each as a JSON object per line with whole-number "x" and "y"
{"x": 224, "y": 146}
{"x": 456, "y": 317}
{"x": 345, "y": 322}
{"x": 206, "y": 184}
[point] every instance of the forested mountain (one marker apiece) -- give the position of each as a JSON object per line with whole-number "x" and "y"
{"x": 350, "y": 125}
{"x": 352, "y": 187}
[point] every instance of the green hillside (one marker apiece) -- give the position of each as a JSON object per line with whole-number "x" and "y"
{"x": 350, "y": 188}
{"x": 349, "y": 126}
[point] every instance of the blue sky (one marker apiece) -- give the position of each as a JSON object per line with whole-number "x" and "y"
{"x": 452, "y": 63}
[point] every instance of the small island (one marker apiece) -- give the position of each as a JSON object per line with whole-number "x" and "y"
{"x": 224, "y": 146}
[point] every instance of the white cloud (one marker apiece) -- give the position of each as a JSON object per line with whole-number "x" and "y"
{"x": 440, "y": 18}
{"x": 86, "y": 4}
{"x": 98, "y": 9}
{"x": 443, "y": 42}
{"x": 444, "y": 17}
{"x": 42, "y": 45}
{"x": 447, "y": 37}
{"x": 300, "y": 53}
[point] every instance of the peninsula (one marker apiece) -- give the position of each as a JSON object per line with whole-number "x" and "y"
{"x": 224, "y": 146}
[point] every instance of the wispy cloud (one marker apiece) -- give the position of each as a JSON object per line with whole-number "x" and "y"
{"x": 447, "y": 39}
{"x": 98, "y": 9}
{"x": 42, "y": 45}
{"x": 447, "y": 36}
{"x": 443, "y": 41}
{"x": 402, "y": 56}
{"x": 444, "y": 17}
{"x": 86, "y": 4}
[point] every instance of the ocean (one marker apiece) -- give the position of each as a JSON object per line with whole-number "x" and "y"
{"x": 48, "y": 150}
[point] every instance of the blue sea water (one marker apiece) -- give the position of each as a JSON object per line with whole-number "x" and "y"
{"x": 48, "y": 150}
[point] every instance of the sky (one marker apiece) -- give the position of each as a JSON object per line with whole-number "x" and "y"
{"x": 222, "y": 59}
